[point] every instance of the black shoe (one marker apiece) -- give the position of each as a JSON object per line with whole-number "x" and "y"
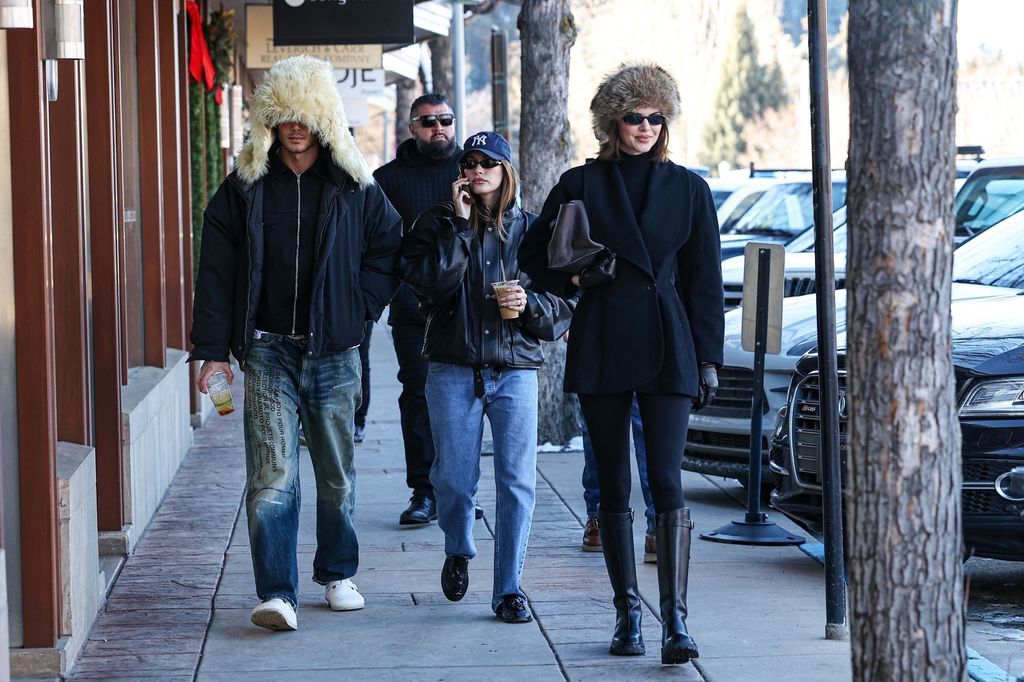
{"x": 360, "y": 434}
{"x": 455, "y": 577}
{"x": 478, "y": 512}
{"x": 421, "y": 511}
{"x": 512, "y": 609}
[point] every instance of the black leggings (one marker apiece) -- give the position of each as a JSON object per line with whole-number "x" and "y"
{"x": 665, "y": 417}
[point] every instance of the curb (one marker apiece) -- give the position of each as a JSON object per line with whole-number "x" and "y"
{"x": 979, "y": 668}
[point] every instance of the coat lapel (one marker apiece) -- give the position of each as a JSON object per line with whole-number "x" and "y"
{"x": 614, "y": 223}
{"x": 663, "y": 221}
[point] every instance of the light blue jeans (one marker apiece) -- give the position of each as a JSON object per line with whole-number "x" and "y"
{"x": 591, "y": 493}
{"x": 457, "y": 424}
{"x": 283, "y": 386}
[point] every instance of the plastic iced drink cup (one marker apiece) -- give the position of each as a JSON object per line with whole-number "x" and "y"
{"x": 500, "y": 288}
{"x": 220, "y": 393}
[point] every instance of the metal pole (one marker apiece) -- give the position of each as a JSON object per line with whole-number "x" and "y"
{"x": 824, "y": 280}
{"x": 458, "y": 70}
{"x": 764, "y": 266}
{"x": 499, "y": 81}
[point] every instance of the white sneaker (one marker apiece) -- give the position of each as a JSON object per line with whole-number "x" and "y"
{"x": 275, "y": 614}
{"x": 342, "y": 595}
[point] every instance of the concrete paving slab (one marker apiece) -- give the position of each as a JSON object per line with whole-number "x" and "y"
{"x": 523, "y": 673}
{"x": 436, "y": 636}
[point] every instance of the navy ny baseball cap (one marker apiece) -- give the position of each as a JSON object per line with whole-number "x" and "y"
{"x": 488, "y": 143}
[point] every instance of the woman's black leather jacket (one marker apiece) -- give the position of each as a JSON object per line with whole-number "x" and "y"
{"x": 451, "y": 269}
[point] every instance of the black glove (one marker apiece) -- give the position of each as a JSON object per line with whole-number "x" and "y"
{"x": 601, "y": 271}
{"x": 708, "y": 386}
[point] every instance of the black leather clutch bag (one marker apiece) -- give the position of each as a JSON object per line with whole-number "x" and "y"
{"x": 571, "y": 249}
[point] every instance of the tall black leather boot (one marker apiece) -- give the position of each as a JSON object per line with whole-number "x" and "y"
{"x": 617, "y": 539}
{"x": 673, "y": 537}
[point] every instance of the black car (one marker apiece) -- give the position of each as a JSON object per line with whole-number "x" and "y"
{"x": 988, "y": 356}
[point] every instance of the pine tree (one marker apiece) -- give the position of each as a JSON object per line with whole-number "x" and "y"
{"x": 748, "y": 89}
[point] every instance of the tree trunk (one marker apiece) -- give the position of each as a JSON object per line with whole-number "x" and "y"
{"x": 547, "y": 31}
{"x": 405, "y": 93}
{"x": 441, "y": 64}
{"x": 903, "y": 470}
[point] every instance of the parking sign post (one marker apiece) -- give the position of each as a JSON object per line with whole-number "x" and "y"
{"x": 825, "y": 287}
{"x": 762, "y": 283}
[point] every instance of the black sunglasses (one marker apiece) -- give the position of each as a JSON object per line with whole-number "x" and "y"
{"x": 469, "y": 164}
{"x": 429, "y": 120}
{"x": 635, "y": 119}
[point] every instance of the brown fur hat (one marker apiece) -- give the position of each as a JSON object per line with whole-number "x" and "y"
{"x": 632, "y": 86}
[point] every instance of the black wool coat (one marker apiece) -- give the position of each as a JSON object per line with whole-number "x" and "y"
{"x": 649, "y": 329}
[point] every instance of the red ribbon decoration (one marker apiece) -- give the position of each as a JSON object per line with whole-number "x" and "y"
{"x": 200, "y": 64}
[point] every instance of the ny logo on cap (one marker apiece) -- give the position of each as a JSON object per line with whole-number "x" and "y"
{"x": 479, "y": 141}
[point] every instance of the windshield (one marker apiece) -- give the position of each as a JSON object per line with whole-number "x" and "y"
{"x": 995, "y": 257}
{"x": 987, "y": 198}
{"x": 785, "y": 210}
{"x": 805, "y": 241}
{"x": 719, "y": 196}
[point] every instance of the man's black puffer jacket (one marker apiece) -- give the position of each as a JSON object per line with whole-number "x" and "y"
{"x": 358, "y": 236}
{"x": 451, "y": 269}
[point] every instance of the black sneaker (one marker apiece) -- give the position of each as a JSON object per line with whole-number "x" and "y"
{"x": 360, "y": 434}
{"x": 455, "y": 577}
{"x": 512, "y": 609}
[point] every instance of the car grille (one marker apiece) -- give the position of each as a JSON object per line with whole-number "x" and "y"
{"x": 805, "y": 413}
{"x": 733, "y": 295}
{"x": 793, "y": 286}
{"x": 735, "y": 391}
{"x": 979, "y": 475}
{"x": 801, "y": 286}
{"x": 731, "y": 445}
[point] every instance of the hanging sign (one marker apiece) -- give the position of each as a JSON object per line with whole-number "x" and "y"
{"x": 343, "y": 22}
{"x": 367, "y": 82}
{"x": 261, "y": 53}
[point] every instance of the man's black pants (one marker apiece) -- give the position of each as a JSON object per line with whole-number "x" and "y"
{"x": 412, "y": 405}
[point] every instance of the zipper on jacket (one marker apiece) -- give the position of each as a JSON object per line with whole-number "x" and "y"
{"x": 298, "y": 231}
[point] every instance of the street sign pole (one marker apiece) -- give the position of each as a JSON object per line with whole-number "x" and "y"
{"x": 458, "y": 68}
{"x": 836, "y": 626}
{"x": 755, "y": 528}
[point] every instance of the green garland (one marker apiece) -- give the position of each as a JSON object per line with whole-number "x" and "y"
{"x": 206, "y": 158}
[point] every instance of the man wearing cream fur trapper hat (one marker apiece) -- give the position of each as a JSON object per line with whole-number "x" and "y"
{"x": 298, "y": 249}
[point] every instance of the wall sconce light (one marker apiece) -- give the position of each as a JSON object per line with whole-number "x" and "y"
{"x": 64, "y": 34}
{"x": 15, "y": 13}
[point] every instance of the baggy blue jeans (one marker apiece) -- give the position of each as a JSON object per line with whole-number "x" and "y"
{"x": 591, "y": 493}
{"x": 457, "y": 424}
{"x": 284, "y": 386}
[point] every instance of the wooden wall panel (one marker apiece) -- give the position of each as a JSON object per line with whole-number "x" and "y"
{"x": 151, "y": 187}
{"x": 171, "y": 82}
{"x": 33, "y": 299}
{"x": 105, "y": 240}
{"x": 74, "y": 394}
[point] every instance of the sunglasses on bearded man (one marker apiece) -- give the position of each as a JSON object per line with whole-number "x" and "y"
{"x": 430, "y": 120}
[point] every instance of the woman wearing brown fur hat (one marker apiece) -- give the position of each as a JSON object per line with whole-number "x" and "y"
{"x": 654, "y": 329}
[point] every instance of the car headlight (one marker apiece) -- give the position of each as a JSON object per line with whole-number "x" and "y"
{"x": 998, "y": 397}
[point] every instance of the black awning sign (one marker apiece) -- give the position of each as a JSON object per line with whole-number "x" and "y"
{"x": 343, "y": 22}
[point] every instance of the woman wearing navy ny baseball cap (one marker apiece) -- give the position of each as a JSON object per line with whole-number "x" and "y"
{"x": 484, "y": 330}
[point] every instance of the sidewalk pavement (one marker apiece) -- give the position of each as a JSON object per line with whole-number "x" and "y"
{"x": 180, "y": 608}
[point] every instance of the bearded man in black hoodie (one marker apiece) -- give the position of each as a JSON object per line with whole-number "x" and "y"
{"x": 421, "y": 176}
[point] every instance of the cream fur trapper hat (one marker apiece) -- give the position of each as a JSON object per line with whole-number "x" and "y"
{"x": 300, "y": 89}
{"x": 632, "y": 86}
